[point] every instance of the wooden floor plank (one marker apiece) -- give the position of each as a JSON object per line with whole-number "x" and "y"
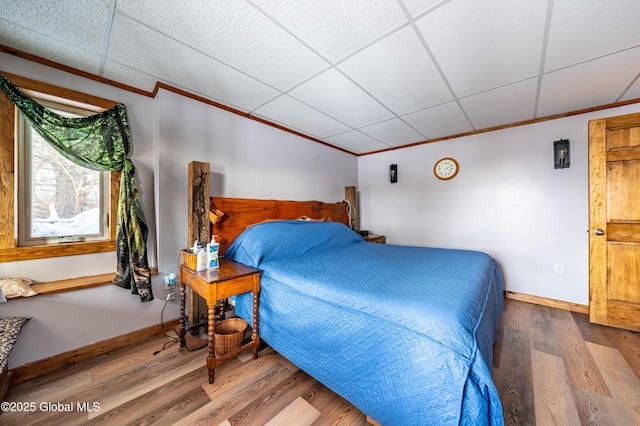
{"x": 622, "y": 382}
{"x": 341, "y": 412}
{"x": 227, "y": 404}
{"x": 594, "y": 333}
{"x": 553, "y": 399}
{"x": 168, "y": 374}
{"x": 53, "y": 389}
{"x": 163, "y": 403}
{"x": 513, "y": 379}
{"x": 541, "y": 328}
{"x": 232, "y": 376}
{"x": 628, "y": 343}
{"x": 270, "y": 402}
{"x": 299, "y": 413}
{"x": 579, "y": 364}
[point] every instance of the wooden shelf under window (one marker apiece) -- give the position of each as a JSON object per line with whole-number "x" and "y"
{"x": 71, "y": 284}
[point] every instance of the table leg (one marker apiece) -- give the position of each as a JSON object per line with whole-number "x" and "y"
{"x": 212, "y": 354}
{"x": 181, "y": 330}
{"x": 255, "y": 336}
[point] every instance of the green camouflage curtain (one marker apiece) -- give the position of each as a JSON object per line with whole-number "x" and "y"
{"x": 99, "y": 142}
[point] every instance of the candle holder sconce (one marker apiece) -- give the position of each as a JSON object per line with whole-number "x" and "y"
{"x": 561, "y": 157}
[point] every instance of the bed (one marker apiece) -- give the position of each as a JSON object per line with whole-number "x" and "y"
{"x": 405, "y": 334}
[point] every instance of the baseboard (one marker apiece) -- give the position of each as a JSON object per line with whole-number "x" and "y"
{"x": 552, "y": 303}
{"x": 47, "y": 365}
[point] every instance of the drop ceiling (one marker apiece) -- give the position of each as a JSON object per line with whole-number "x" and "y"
{"x": 361, "y": 75}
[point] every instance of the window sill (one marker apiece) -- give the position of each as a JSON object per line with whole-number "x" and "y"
{"x": 72, "y": 284}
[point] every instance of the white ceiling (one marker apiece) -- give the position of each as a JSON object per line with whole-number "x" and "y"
{"x": 363, "y": 75}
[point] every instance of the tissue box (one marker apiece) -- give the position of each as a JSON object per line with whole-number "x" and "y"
{"x": 189, "y": 259}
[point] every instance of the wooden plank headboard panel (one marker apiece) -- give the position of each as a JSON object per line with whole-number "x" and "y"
{"x": 242, "y": 212}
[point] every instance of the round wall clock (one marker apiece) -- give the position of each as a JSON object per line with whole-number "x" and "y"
{"x": 445, "y": 168}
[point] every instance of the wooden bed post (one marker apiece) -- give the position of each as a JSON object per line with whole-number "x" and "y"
{"x": 198, "y": 229}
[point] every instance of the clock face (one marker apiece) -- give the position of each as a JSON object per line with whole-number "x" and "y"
{"x": 445, "y": 168}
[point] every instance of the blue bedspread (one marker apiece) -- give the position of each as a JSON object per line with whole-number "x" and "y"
{"x": 404, "y": 333}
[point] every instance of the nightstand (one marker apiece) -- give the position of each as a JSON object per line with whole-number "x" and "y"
{"x": 229, "y": 279}
{"x": 375, "y": 238}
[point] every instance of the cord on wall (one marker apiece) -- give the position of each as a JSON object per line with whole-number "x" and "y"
{"x": 351, "y": 213}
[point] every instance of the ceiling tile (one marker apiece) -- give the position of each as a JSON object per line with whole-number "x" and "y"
{"x": 399, "y": 73}
{"x": 48, "y": 47}
{"x": 336, "y": 28}
{"x": 357, "y": 142}
{"x": 78, "y": 23}
{"x": 483, "y": 44}
{"x": 233, "y": 32}
{"x": 118, "y": 72}
{"x": 590, "y": 84}
{"x": 509, "y": 104}
{"x": 335, "y": 95}
{"x": 137, "y": 46}
{"x": 417, "y": 7}
{"x": 393, "y": 132}
{"x": 298, "y": 116}
{"x": 633, "y": 92}
{"x": 586, "y": 29}
{"x": 439, "y": 121}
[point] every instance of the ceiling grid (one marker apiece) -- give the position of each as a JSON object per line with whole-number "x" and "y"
{"x": 363, "y": 75}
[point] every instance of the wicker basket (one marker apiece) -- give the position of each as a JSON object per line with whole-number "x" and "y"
{"x": 229, "y": 334}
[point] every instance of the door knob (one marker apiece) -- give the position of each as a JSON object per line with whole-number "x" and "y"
{"x": 598, "y": 231}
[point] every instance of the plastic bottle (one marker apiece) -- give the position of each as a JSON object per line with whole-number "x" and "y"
{"x": 212, "y": 254}
{"x": 201, "y": 256}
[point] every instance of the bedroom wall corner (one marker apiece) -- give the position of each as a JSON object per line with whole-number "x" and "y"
{"x": 247, "y": 159}
{"x": 507, "y": 200}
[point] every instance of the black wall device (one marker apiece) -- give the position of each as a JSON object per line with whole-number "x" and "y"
{"x": 561, "y": 157}
{"x": 393, "y": 173}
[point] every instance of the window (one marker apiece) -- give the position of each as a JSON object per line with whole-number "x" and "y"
{"x": 13, "y": 224}
{"x": 58, "y": 201}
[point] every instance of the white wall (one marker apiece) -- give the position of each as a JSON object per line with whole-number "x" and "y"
{"x": 506, "y": 200}
{"x": 248, "y": 159}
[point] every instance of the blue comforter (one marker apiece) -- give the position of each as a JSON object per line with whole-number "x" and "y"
{"x": 404, "y": 333}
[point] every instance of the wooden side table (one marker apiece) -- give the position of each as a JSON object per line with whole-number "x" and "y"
{"x": 229, "y": 279}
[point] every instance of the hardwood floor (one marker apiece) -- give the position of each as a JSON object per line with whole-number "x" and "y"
{"x": 551, "y": 367}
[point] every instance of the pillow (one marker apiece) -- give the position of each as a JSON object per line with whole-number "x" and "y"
{"x": 16, "y": 287}
{"x": 9, "y": 331}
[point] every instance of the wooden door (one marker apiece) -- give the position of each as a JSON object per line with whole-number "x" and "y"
{"x": 614, "y": 220}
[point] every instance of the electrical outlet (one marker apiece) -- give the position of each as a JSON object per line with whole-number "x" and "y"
{"x": 171, "y": 296}
{"x": 558, "y": 269}
{"x": 169, "y": 281}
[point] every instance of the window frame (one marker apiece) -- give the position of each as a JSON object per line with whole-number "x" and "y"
{"x": 9, "y": 249}
{"x": 25, "y": 135}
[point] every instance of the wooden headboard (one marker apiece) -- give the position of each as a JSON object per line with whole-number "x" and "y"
{"x": 239, "y": 213}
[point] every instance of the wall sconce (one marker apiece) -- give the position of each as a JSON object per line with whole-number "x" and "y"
{"x": 561, "y": 158}
{"x": 393, "y": 173}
